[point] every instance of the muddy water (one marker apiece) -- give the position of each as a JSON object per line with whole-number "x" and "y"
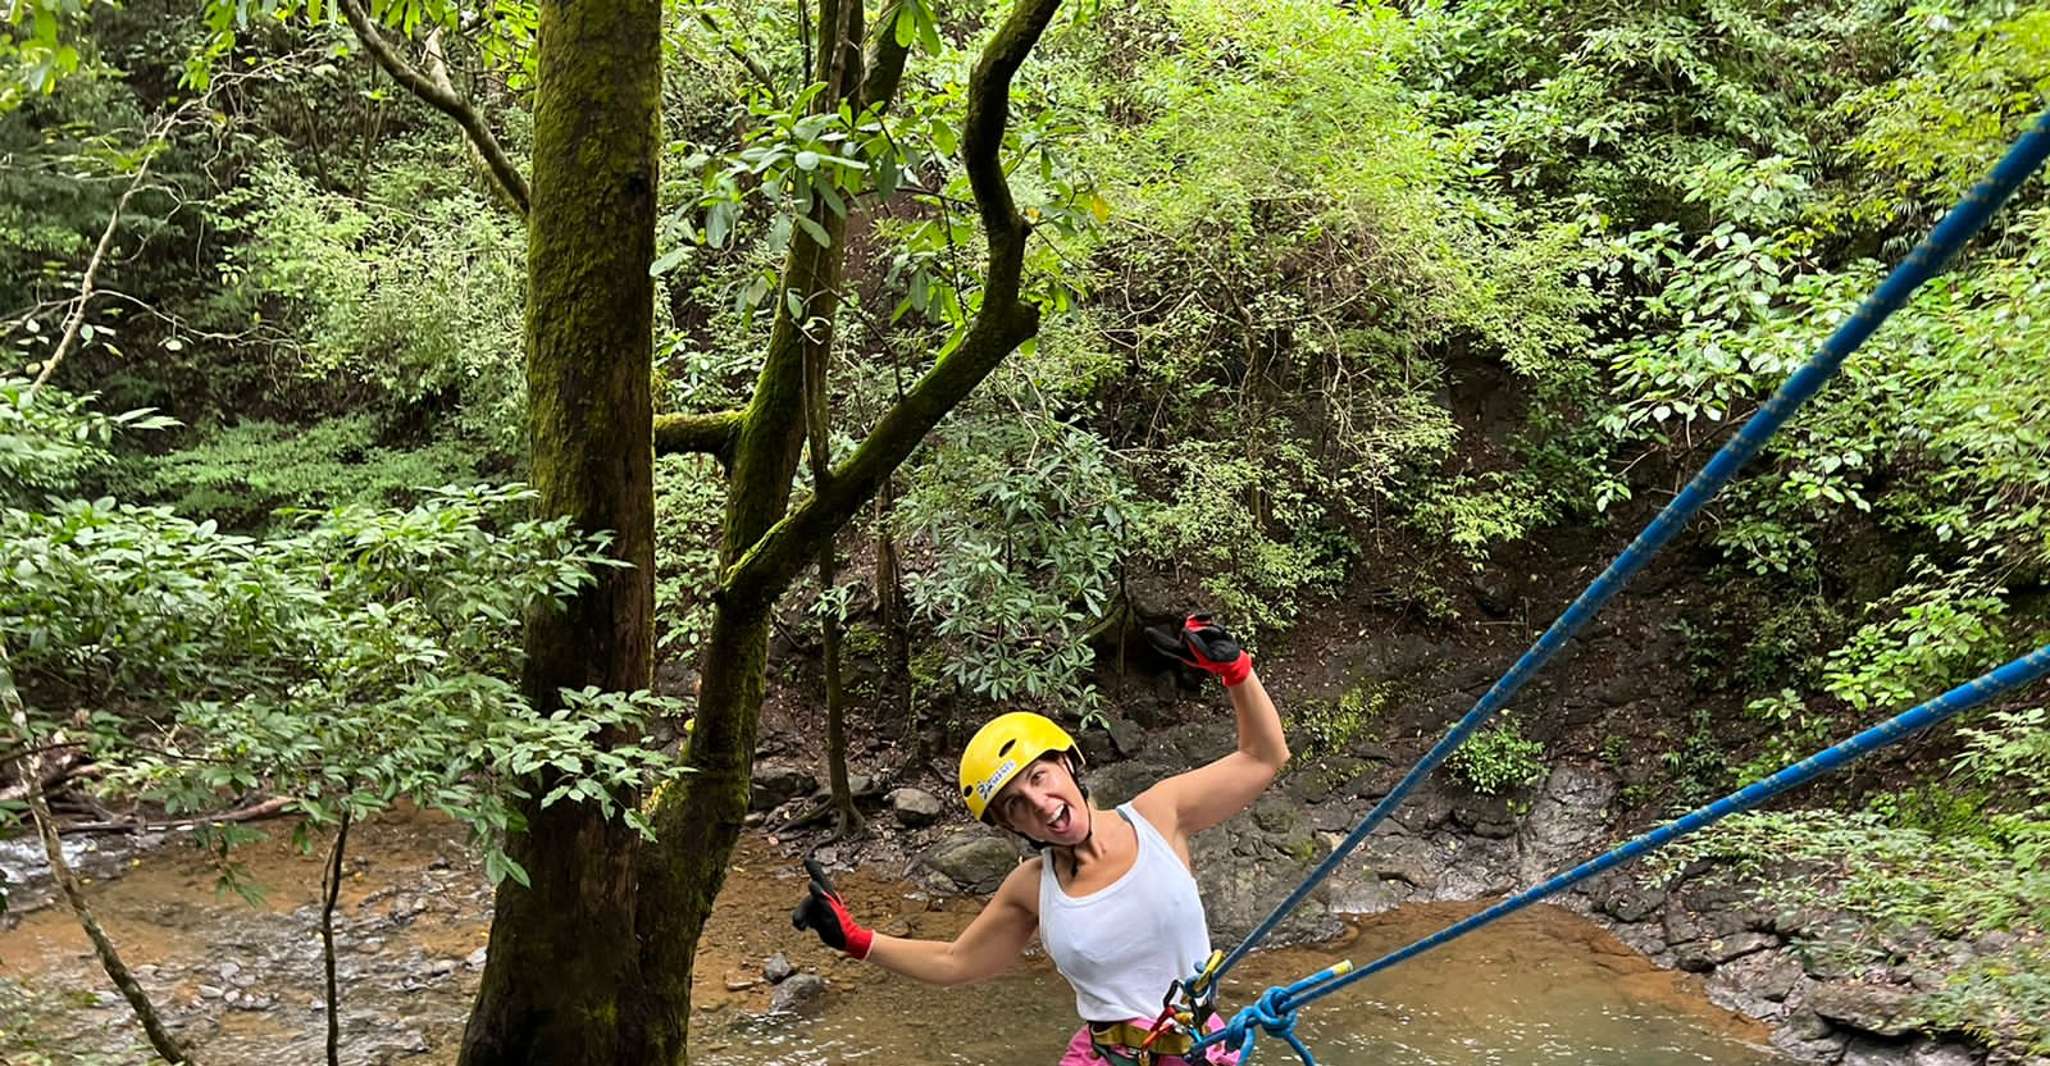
{"x": 242, "y": 982}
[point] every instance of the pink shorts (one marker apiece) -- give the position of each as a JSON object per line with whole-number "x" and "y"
{"x": 1082, "y": 1053}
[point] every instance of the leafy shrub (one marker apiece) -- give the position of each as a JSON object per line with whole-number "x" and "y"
{"x": 365, "y": 656}
{"x": 1332, "y": 727}
{"x": 240, "y": 474}
{"x": 50, "y": 439}
{"x": 1499, "y": 758}
{"x": 1024, "y": 521}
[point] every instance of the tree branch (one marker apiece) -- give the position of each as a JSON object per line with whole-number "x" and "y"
{"x": 753, "y": 66}
{"x": 885, "y": 66}
{"x": 711, "y": 434}
{"x": 1003, "y": 323}
{"x": 76, "y": 321}
{"x": 440, "y": 95}
{"x": 39, "y": 812}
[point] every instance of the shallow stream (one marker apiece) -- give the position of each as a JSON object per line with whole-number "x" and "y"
{"x": 243, "y": 982}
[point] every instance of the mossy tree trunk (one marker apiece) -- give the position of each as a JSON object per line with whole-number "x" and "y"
{"x": 563, "y": 983}
{"x": 593, "y": 963}
{"x": 766, "y": 542}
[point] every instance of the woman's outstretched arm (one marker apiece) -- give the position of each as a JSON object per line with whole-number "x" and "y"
{"x": 990, "y": 944}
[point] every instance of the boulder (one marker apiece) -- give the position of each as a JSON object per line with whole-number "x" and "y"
{"x": 915, "y": 807}
{"x": 1865, "y": 1051}
{"x": 1701, "y": 956}
{"x": 1938, "y": 1053}
{"x": 1884, "y": 1010}
{"x": 1250, "y": 863}
{"x": 1410, "y": 860}
{"x": 976, "y": 860}
{"x": 802, "y": 994}
{"x": 1756, "y": 985}
{"x": 1623, "y": 899}
{"x": 776, "y": 783}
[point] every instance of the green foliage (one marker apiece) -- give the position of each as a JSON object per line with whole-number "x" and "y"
{"x": 410, "y": 295}
{"x": 2011, "y": 753}
{"x": 1331, "y": 727}
{"x": 1025, "y": 517}
{"x": 690, "y": 508}
{"x": 51, "y": 440}
{"x": 38, "y": 47}
{"x": 1256, "y": 534}
{"x": 242, "y": 474}
{"x": 363, "y": 657}
{"x": 2001, "y": 1001}
{"x": 1698, "y": 767}
{"x": 1892, "y": 878}
{"x": 1499, "y": 758}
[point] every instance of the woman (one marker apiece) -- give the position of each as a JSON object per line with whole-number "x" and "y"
{"x": 1111, "y": 895}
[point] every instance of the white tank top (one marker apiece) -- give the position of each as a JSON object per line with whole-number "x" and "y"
{"x": 1123, "y": 944}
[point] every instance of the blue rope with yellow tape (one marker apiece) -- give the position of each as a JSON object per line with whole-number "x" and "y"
{"x": 1275, "y": 1012}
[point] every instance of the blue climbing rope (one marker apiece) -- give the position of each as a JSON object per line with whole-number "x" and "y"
{"x": 1275, "y": 1011}
{"x": 1924, "y": 262}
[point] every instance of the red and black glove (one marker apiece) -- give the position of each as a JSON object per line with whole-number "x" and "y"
{"x": 1205, "y": 645}
{"x": 824, "y": 913}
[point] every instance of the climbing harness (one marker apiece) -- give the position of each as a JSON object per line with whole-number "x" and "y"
{"x": 1144, "y": 1045}
{"x": 1274, "y": 1012}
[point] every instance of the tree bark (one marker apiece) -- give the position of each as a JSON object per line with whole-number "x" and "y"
{"x": 331, "y": 891}
{"x": 562, "y": 983}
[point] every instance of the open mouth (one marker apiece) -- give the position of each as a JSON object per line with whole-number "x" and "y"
{"x": 1062, "y": 819}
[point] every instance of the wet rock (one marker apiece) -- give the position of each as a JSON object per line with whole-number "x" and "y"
{"x": 777, "y": 782}
{"x": 1568, "y": 822}
{"x": 1119, "y": 782}
{"x": 736, "y": 982}
{"x": 1426, "y": 810}
{"x": 1757, "y": 984}
{"x": 1410, "y": 860}
{"x": 778, "y": 969}
{"x": 1702, "y": 956}
{"x": 1283, "y": 825}
{"x": 1885, "y": 1010}
{"x": 441, "y": 967}
{"x": 1937, "y": 1053}
{"x": 1627, "y": 901}
{"x": 1825, "y": 961}
{"x": 915, "y": 807}
{"x": 1125, "y": 736}
{"x": 975, "y": 861}
{"x": 476, "y": 959}
{"x": 211, "y": 991}
{"x": 254, "y": 1001}
{"x": 803, "y": 995}
{"x": 1864, "y": 1051}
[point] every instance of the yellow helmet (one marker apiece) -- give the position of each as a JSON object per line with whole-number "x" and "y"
{"x": 1005, "y": 745}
